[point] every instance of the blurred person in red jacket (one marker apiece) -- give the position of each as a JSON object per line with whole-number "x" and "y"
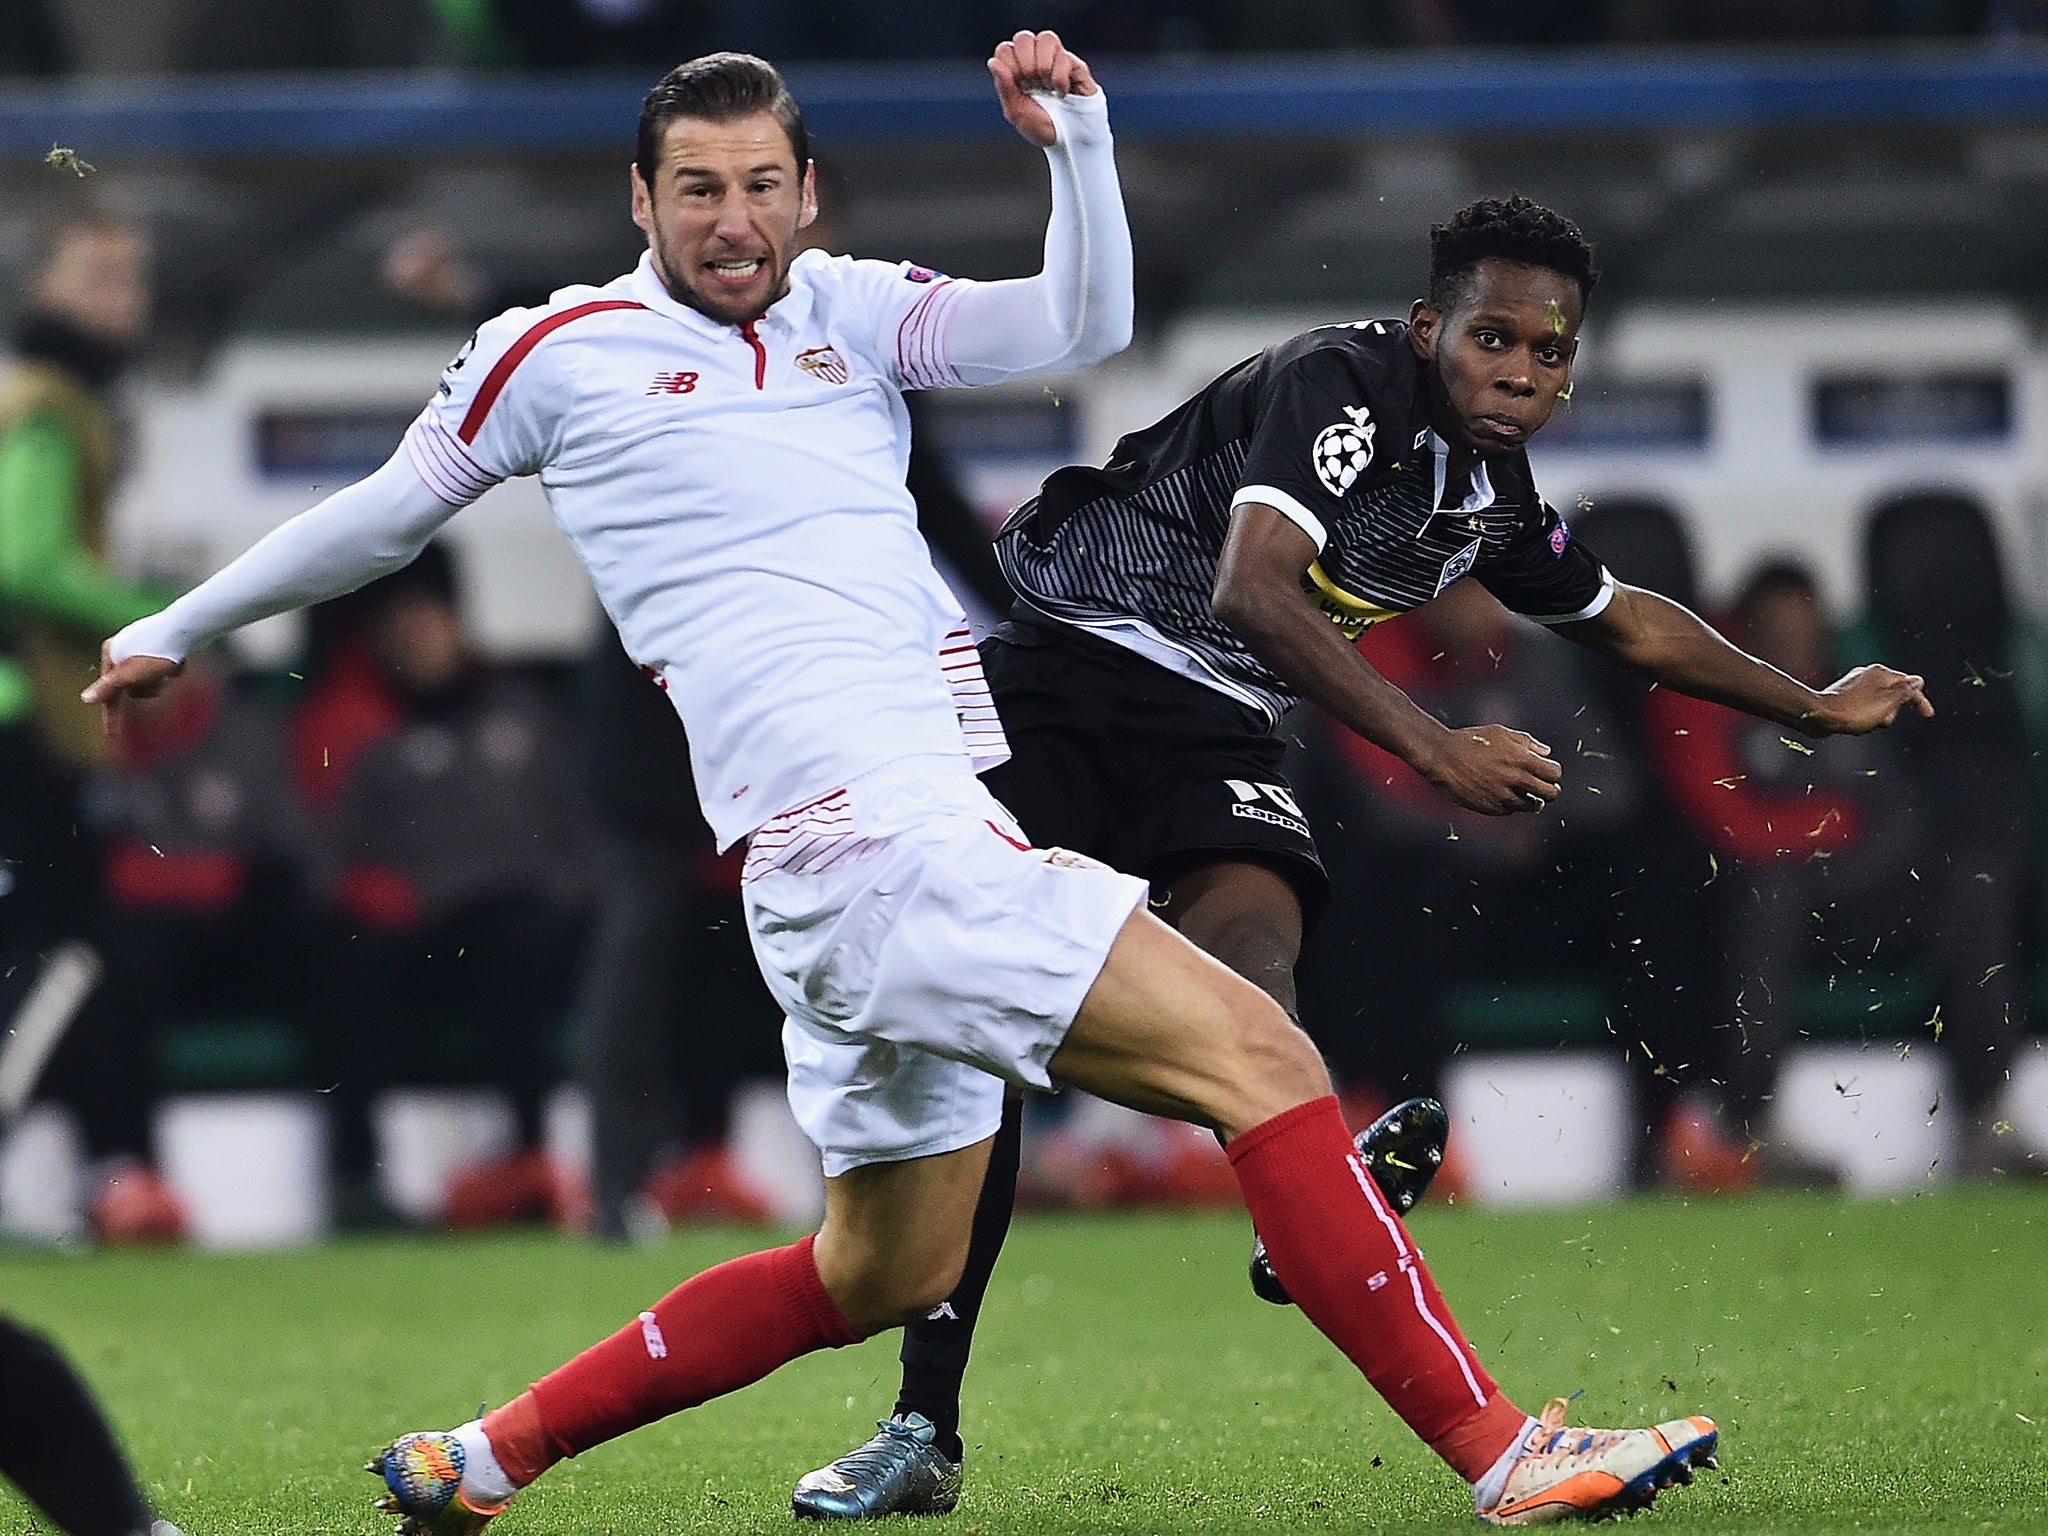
{"x": 202, "y": 846}
{"x": 458, "y": 858}
{"x": 1814, "y": 843}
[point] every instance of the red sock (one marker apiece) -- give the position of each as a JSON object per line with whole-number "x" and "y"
{"x": 713, "y": 1334}
{"x": 1344, "y": 1257}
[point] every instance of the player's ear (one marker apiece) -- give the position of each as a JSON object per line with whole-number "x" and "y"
{"x": 1423, "y": 324}
{"x": 809, "y": 213}
{"x": 643, "y": 201}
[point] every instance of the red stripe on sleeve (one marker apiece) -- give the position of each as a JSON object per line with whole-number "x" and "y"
{"x": 501, "y": 370}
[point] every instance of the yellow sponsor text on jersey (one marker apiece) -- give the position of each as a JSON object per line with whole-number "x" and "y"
{"x": 1352, "y": 615}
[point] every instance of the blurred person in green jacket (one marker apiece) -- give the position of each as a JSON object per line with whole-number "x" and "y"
{"x": 85, "y": 310}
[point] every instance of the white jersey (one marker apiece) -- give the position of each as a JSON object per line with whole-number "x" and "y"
{"x": 736, "y": 492}
{"x": 737, "y": 495}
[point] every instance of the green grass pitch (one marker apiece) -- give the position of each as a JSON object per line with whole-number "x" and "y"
{"x": 1874, "y": 1367}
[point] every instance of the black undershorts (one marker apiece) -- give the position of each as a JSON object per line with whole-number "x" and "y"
{"x": 1153, "y": 773}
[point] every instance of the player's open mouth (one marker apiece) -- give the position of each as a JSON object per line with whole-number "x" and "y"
{"x": 737, "y": 271}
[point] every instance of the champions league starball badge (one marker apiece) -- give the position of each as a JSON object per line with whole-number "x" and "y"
{"x": 1342, "y": 450}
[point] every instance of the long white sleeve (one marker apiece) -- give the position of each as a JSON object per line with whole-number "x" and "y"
{"x": 1077, "y": 310}
{"x": 361, "y": 532}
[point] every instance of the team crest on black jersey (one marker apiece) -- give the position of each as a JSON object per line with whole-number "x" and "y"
{"x": 823, "y": 363}
{"x": 1459, "y": 565}
{"x": 1343, "y": 449}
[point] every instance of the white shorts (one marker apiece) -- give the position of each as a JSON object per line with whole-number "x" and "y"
{"x": 923, "y": 954}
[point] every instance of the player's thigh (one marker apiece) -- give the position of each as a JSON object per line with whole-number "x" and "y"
{"x": 1245, "y": 913}
{"x": 1169, "y": 1030}
{"x": 894, "y": 1239}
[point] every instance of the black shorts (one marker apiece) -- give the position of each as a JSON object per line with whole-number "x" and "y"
{"x": 1155, "y": 774}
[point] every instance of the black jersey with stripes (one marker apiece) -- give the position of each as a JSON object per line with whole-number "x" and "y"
{"x": 1331, "y": 428}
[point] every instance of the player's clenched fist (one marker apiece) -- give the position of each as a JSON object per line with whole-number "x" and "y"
{"x": 1036, "y": 61}
{"x": 1494, "y": 770}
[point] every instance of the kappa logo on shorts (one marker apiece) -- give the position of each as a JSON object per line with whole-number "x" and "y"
{"x": 1288, "y": 813}
{"x": 1459, "y": 565}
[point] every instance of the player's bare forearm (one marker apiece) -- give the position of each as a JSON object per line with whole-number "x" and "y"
{"x": 1494, "y": 770}
{"x": 1305, "y": 650}
{"x": 1651, "y": 635}
{"x": 1258, "y": 594}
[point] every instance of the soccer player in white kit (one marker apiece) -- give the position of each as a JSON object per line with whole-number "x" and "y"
{"x": 722, "y": 437}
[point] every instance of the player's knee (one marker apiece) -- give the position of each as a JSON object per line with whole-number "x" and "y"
{"x": 1281, "y": 1065}
{"x": 887, "y": 1288}
{"x": 923, "y": 1294}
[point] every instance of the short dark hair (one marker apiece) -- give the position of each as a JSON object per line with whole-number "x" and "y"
{"x": 1513, "y": 229}
{"x": 717, "y": 87}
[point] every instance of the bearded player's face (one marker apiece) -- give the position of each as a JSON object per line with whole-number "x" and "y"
{"x": 723, "y": 212}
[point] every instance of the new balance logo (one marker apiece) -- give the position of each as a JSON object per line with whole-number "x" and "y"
{"x": 672, "y": 384}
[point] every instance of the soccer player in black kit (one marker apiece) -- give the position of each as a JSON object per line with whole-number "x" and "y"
{"x": 1176, "y": 602}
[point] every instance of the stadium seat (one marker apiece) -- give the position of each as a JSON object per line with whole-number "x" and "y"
{"x": 1868, "y": 1111}
{"x": 1549, "y": 1128}
{"x": 250, "y": 1167}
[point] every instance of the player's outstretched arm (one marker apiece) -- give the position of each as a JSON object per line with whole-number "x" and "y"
{"x": 1658, "y": 638}
{"x": 361, "y": 532}
{"x": 1078, "y": 309}
{"x": 1493, "y": 769}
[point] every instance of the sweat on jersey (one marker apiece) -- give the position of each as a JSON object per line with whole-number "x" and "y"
{"x": 736, "y": 492}
{"x": 1331, "y": 429}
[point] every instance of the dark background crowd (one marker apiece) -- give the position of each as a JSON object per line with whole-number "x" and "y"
{"x": 214, "y": 35}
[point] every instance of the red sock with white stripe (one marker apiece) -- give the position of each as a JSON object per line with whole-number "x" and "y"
{"x": 711, "y": 1335}
{"x": 1346, "y": 1260}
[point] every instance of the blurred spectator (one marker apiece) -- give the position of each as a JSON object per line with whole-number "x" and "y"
{"x": 1815, "y": 845}
{"x": 1428, "y": 896}
{"x": 85, "y": 312}
{"x": 671, "y": 1014}
{"x": 460, "y": 877}
{"x": 1939, "y": 601}
{"x": 200, "y": 919}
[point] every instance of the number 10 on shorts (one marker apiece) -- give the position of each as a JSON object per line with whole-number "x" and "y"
{"x": 1279, "y": 794}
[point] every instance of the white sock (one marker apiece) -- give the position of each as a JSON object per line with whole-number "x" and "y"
{"x": 1487, "y": 1491}
{"x": 481, "y": 1474}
